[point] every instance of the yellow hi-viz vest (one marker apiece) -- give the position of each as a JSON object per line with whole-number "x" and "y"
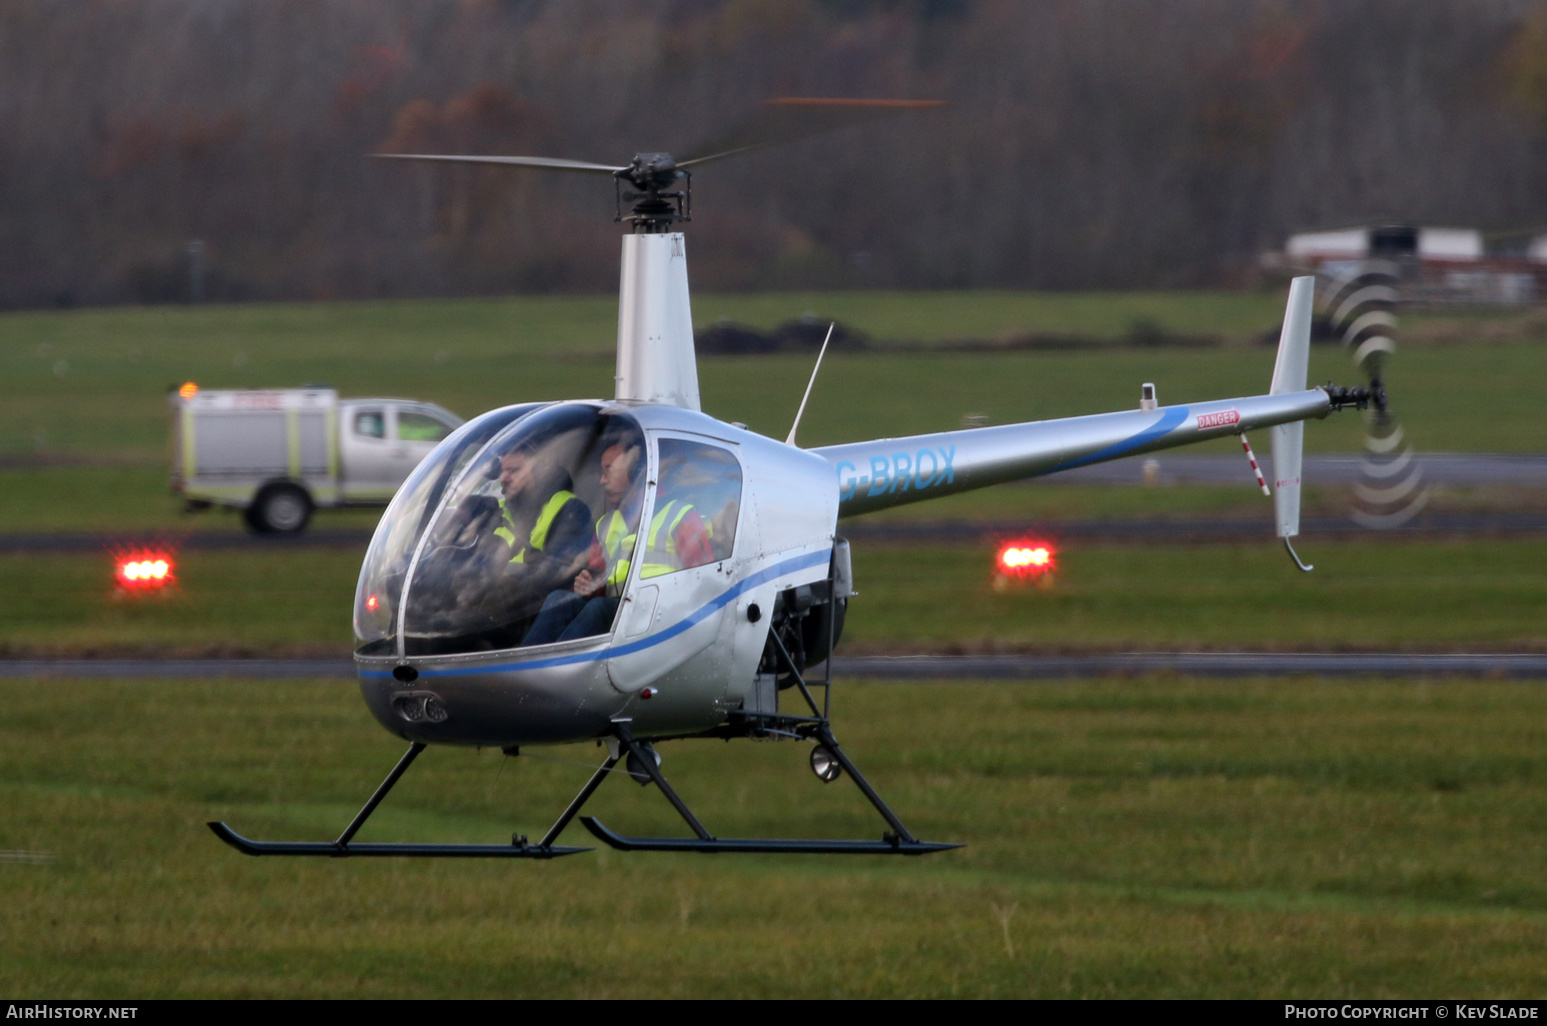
{"x": 618, "y": 543}
{"x": 539, "y": 536}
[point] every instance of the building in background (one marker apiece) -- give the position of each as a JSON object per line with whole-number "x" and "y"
{"x": 1441, "y": 266}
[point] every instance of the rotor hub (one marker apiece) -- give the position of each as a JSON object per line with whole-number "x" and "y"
{"x": 657, "y": 205}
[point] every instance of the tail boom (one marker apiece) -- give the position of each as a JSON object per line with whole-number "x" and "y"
{"x": 894, "y": 471}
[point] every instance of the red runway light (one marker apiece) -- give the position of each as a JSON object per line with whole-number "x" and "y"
{"x": 371, "y": 604}
{"x": 1020, "y": 558}
{"x": 1025, "y": 558}
{"x": 1023, "y": 562}
{"x": 143, "y": 571}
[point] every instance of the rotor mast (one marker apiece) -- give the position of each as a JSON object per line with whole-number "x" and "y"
{"x": 657, "y": 362}
{"x": 656, "y": 358}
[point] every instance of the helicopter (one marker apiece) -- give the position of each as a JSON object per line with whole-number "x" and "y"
{"x": 715, "y": 579}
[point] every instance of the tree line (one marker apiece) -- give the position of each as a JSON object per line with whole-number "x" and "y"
{"x": 1085, "y": 143}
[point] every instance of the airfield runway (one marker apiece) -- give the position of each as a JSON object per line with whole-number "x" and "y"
{"x": 1502, "y": 665}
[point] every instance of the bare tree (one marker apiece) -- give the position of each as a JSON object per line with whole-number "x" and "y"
{"x": 1088, "y": 143}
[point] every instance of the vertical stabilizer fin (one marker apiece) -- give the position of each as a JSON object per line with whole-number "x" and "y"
{"x": 1288, "y": 440}
{"x": 656, "y": 359}
{"x": 1294, "y": 342}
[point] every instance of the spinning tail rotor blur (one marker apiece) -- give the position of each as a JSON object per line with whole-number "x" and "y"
{"x": 1362, "y": 311}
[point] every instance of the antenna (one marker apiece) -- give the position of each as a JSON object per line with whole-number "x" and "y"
{"x": 798, "y": 413}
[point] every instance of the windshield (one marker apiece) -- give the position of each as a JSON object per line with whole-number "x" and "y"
{"x": 515, "y": 537}
{"x": 386, "y": 561}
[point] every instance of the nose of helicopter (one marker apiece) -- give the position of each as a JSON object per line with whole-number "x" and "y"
{"x": 490, "y": 702}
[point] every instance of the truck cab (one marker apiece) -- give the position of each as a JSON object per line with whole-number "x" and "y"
{"x": 279, "y": 454}
{"x": 382, "y": 440}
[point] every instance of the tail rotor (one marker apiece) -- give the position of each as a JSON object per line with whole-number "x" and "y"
{"x": 1362, "y": 311}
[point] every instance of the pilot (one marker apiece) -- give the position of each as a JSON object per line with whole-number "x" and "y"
{"x": 542, "y": 520}
{"x": 533, "y": 537}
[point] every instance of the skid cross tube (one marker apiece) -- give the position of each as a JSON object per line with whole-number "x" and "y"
{"x": 578, "y": 801}
{"x": 342, "y": 848}
{"x": 381, "y": 792}
{"x": 647, "y": 760}
{"x": 900, "y": 832}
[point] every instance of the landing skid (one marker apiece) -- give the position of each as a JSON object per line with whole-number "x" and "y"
{"x": 515, "y": 850}
{"x": 896, "y": 841}
{"x": 892, "y": 845}
{"x": 518, "y": 848}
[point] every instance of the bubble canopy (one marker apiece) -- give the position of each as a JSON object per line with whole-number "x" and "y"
{"x": 498, "y": 518}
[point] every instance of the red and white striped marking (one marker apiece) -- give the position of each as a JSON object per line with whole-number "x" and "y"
{"x": 1255, "y": 469}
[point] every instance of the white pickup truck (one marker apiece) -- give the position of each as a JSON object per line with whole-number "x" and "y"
{"x": 278, "y": 454}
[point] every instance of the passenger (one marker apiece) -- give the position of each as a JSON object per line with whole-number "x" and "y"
{"x": 678, "y": 538}
{"x": 679, "y": 535}
{"x": 588, "y": 605}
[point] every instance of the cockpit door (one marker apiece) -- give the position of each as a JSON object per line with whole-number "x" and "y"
{"x": 674, "y": 628}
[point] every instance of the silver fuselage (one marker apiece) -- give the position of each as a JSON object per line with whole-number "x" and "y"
{"x": 690, "y": 640}
{"x": 679, "y": 653}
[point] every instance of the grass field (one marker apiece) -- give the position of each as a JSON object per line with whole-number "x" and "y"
{"x": 1143, "y": 838}
{"x": 84, "y": 434}
{"x": 1428, "y": 595}
{"x": 1154, "y": 837}
{"x": 92, "y": 383}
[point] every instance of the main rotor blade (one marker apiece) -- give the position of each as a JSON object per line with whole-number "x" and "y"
{"x": 552, "y": 163}
{"x": 789, "y": 118}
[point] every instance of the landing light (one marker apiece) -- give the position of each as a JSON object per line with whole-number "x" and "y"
{"x": 825, "y": 764}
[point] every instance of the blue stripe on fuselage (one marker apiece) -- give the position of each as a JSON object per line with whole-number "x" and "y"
{"x": 1169, "y": 420}
{"x": 687, "y": 622}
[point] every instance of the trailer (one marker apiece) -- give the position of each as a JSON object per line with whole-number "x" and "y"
{"x": 279, "y": 454}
